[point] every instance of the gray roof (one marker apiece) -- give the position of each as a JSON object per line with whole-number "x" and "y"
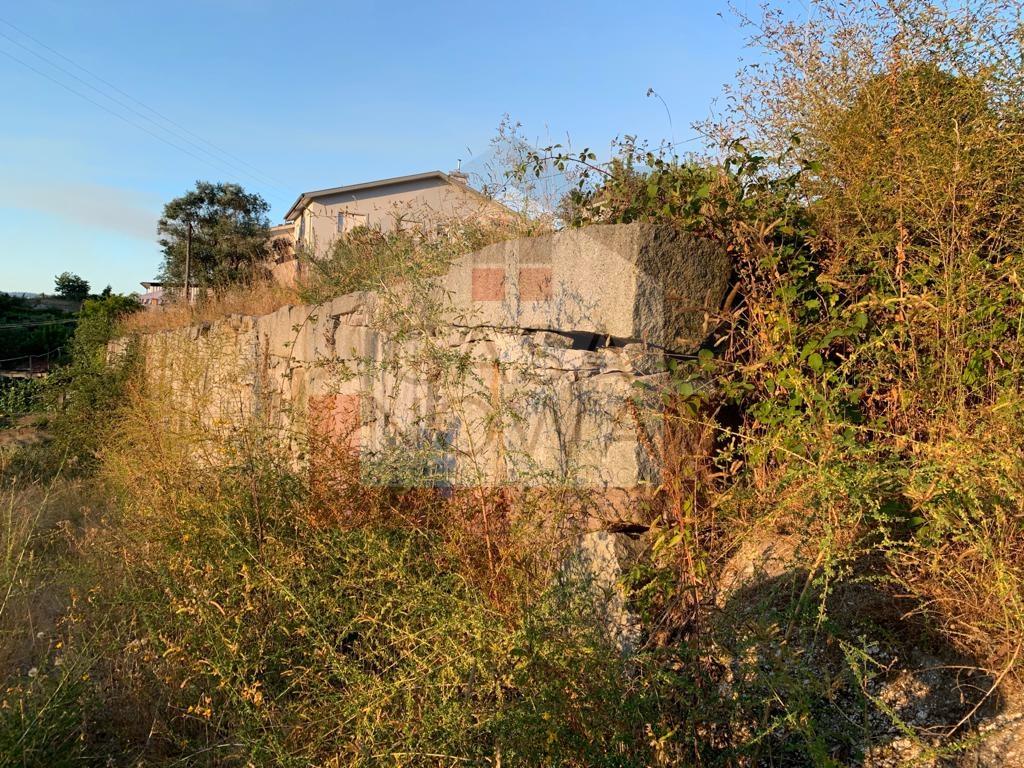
{"x": 305, "y": 197}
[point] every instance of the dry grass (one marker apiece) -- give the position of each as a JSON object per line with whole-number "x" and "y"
{"x": 259, "y": 298}
{"x": 39, "y": 522}
{"x": 23, "y": 431}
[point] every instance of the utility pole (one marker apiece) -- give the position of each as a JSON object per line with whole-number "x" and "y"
{"x": 188, "y": 263}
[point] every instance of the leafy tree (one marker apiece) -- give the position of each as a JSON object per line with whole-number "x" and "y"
{"x": 71, "y": 286}
{"x": 229, "y": 235}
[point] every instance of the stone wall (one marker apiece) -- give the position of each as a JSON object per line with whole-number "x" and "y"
{"x": 634, "y": 283}
{"x": 533, "y": 362}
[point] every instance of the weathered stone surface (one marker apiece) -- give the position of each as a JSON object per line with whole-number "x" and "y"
{"x": 999, "y": 742}
{"x": 537, "y": 389}
{"x": 629, "y": 281}
{"x": 599, "y": 565}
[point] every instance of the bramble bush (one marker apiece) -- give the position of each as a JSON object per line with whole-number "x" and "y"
{"x": 863, "y": 385}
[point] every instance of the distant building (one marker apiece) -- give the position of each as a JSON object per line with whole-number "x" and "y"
{"x": 158, "y": 294}
{"x": 153, "y": 295}
{"x": 422, "y": 201}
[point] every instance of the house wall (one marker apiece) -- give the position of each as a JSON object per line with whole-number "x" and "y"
{"x": 153, "y": 298}
{"x": 422, "y": 203}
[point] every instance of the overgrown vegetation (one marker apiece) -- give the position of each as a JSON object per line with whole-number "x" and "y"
{"x": 85, "y": 395}
{"x": 259, "y": 297}
{"x": 369, "y": 259}
{"x": 850, "y": 433}
{"x": 19, "y": 396}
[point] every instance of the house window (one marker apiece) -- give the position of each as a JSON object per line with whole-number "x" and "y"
{"x": 349, "y": 221}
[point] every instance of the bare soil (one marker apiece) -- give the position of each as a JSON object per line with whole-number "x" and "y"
{"x": 23, "y": 431}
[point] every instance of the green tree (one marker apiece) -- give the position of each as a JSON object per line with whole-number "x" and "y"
{"x": 71, "y": 286}
{"x": 228, "y": 235}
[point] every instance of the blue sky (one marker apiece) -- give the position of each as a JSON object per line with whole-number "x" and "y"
{"x": 305, "y": 95}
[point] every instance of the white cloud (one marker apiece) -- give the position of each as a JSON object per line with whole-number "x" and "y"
{"x": 88, "y": 205}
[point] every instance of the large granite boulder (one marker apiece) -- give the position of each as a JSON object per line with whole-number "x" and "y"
{"x": 630, "y": 282}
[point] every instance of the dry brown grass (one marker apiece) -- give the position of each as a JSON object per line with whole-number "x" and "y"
{"x": 259, "y": 298}
{"x": 39, "y": 523}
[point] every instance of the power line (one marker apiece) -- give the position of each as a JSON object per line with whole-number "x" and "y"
{"x": 142, "y": 104}
{"x": 684, "y": 141}
{"x": 212, "y": 161}
{"x": 105, "y": 108}
{"x": 123, "y": 105}
{"x": 135, "y": 112}
{"x": 110, "y": 111}
{"x": 261, "y": 178}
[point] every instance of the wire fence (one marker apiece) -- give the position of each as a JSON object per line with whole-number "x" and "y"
{"x": 37, "y": 324}
{"x": 32, "y": 363}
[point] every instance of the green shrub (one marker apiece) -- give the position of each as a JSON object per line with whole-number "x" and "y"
{"x": 86, "y": 393}
{"x": 20, "y": 396}
{"x": 42, "y": 719}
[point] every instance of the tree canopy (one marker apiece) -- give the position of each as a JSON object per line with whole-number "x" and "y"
{"x": 229, "y": 235}
{"x": 71, "y": 286}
